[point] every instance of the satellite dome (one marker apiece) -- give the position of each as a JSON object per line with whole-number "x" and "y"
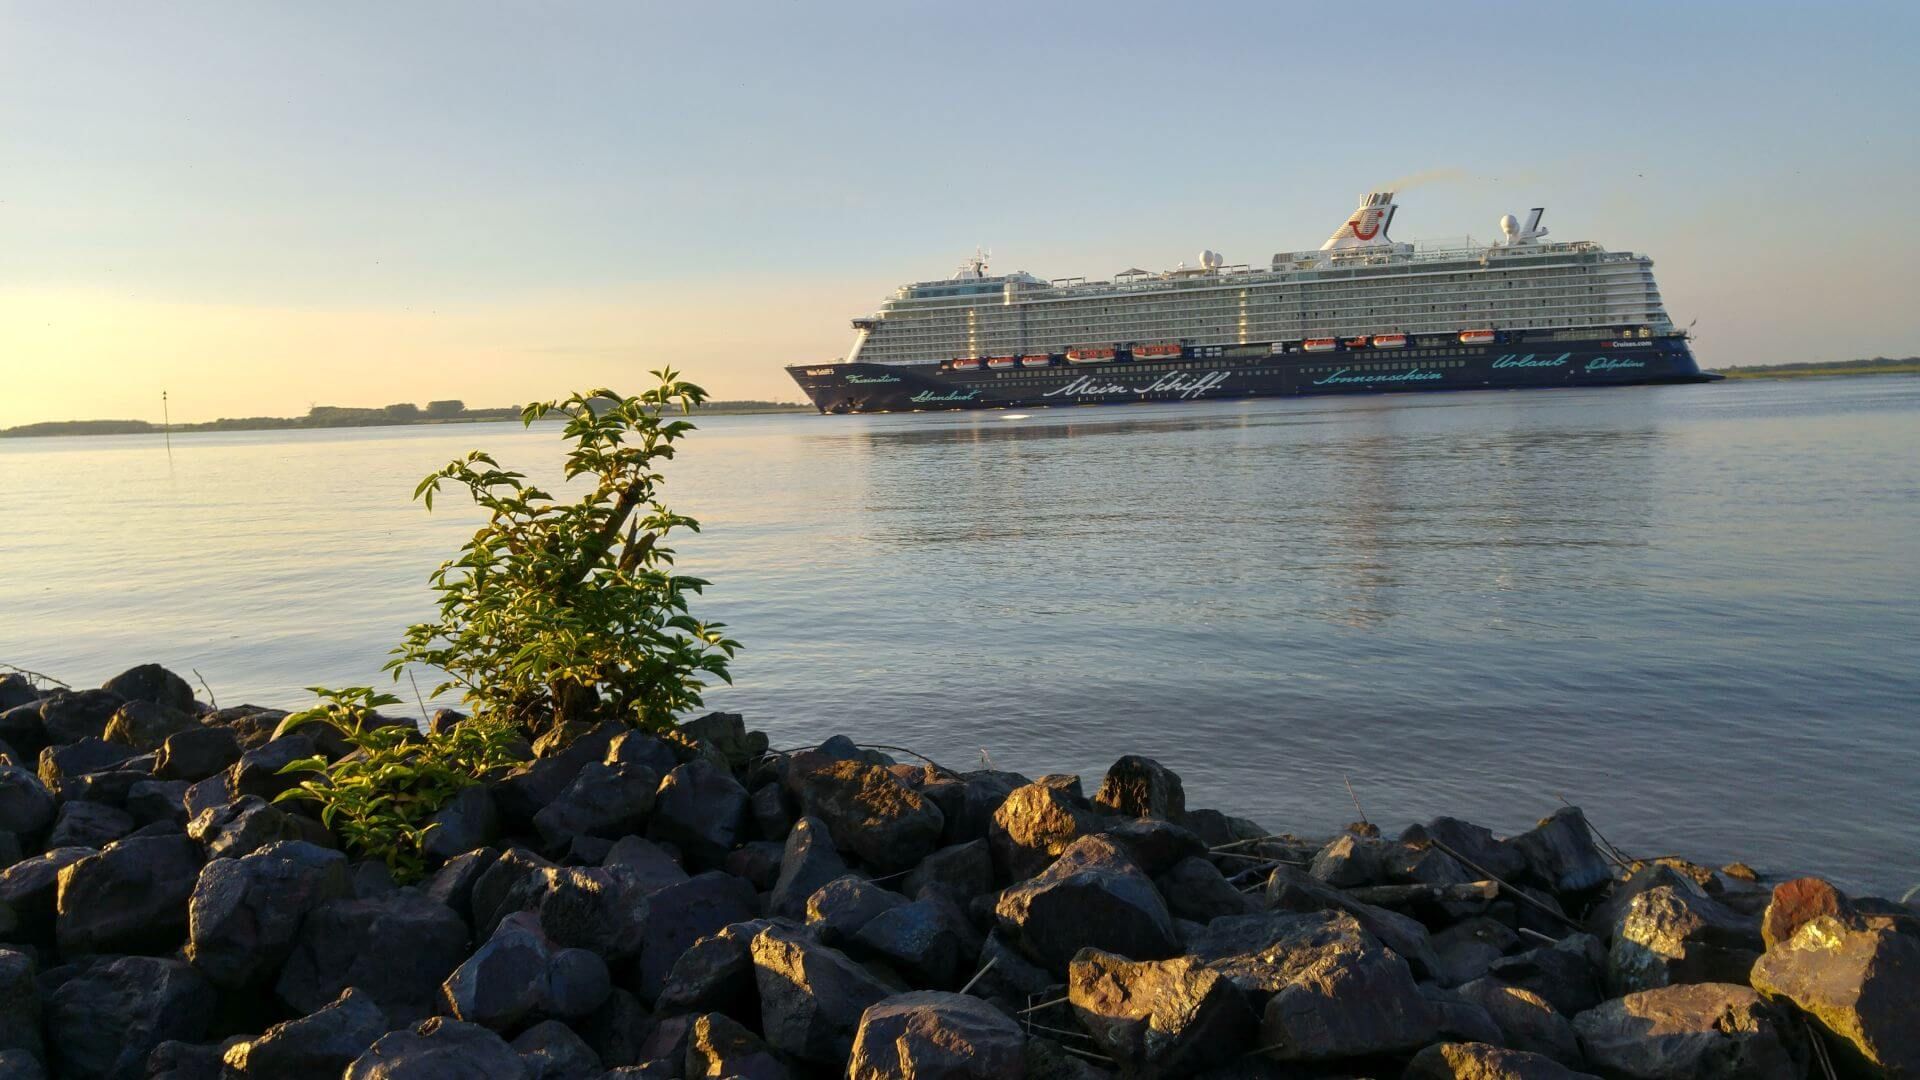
{"x": 1509, "y": 225}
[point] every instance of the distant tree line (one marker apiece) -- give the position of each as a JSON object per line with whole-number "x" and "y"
{"x": 1834, "y": 365}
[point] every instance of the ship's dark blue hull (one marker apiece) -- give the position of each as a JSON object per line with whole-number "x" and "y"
{"x": 1236, "y": 371}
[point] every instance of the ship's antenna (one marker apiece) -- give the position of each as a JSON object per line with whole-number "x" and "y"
{"x": 166, "y": 427}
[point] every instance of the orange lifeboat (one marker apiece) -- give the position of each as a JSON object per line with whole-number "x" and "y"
{"x": 1002, "y": 362}
{"x": 1037, "y": 360}
{"x": 1101, "y": 355}
{"x": 1156, "y": 352}
{"x": 1476, "y": 337}
{"x": 970, "y": 363}
{"x": 1389, "y": 341}
{"x": 1357, "y": 342}
{"x": 1320, "y": 344}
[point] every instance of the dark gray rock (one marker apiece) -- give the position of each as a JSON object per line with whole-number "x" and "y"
{"x": 1712, "y": 1031}
{"x": 1525, "y": 1018}
{"x": 679, "y": 915}
{"x": 1092, "y": 896}
{"x": 1348, "y": 861}
{"x": 1479, "y": 1061}
{"x": 467, "y": 821}
{"x": 583, "y": 907}
{"x": 1480, "y": 846}
{"x": 16, "y": 690}
{"x": 1036, "y": 822}
{"x": 246, "y": 913}
{"x": 1012, "y": 982}
{"x": 578, "y": 983}
{"x": 30, "y": 889}
{"x": 667, "y": 1041}
{"x": 640, "y": 748}
{"x": 258, "y": 770}
{"x": 1340, "y": 994}
{"x": 158, "y": 800}
{"x": 518, "y": 974}
{"x": 811, "y": 995}
{"x": 88, "y": 755}
{"x": 72, "y": 715}
{"x": 701, "y": 810}
{"x": 617, "y": 1029}
{"x": 439, "y": 1049}
{"x": 757, "y": 862}
{"x": 523, "y": 793}
{"x": 144, "y": 725}
{"x": 454, "y": 882}
{"x": 129, "y": 898}
{"x": 88, "y": 824}
{"x": 241, "y": 827}
{"x": 808, "y": 861}
{"x": 718, "y": 1045}
{"x": 768, "y": 806}
{"x": 723, "y": 735}
{"x": 1140, "y": 787}
{"x": 1859, "y": 979}
{"x": 503, "y": 878}
{"x": 1570, "y": 974}
{"x": 870, "y": 814}
{"x": 26, "y": 806}
{"x": 1289, "y": 889}
{"x": 1196, "y": 889}
{"x": 318, "y": 1045}
{"x": 715, "y": 975}
{"x": 110, "y": 786}
{"x": 1153, "y": 845}
{"x": 608, "y": 801}
{"x": 1467, "y": 949}
{"x": 1560, "y": 853}
{"x": 204, "y": 795}
{"x": 1170, "y": 1017}
{"x": 961, "y": 871}
{"x": 20, "y": 1065}
{"x": 980, "y": 798}
{"x": 936, "y": 1036}
{"x": 19, "y": 1004}
{"x": 22, "y": 731}
{"x": 553, "y": 1051}
{"x": 151, "y": 682}
{"x": 104, "y": 1021}
{"x": 398, "y": 948}
{"x": 644, "y": 865}
{"x": 929, "y": 941}
{"x": 1459, "y": 1020}
{"x": 252, "y": 725}
{"x": 1669, "y": 935}
{"x": 839, "y": 909}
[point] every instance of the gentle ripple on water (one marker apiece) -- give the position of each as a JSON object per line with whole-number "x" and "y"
{"x": 1691, "y": 610}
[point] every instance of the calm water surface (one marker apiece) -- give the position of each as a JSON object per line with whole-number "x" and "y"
{"x": 1694, "y": 611}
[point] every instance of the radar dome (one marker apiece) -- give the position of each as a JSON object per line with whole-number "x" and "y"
{"x": 1509, "y": 225}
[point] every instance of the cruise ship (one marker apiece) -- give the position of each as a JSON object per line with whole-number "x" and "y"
{"x": 1361, "y": 314}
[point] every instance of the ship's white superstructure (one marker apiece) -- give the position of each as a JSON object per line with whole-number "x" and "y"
{"x": 1359, "y": 283}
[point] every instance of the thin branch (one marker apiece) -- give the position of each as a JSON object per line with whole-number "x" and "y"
{"x": 1043, "y": 1005}
{"x": 1356, "y": 800}
{"x": 981, "y": 974}
{"x": 211, "y": 700}
{"x": 36, "y": 676}
{"x": 1495, "y": 878}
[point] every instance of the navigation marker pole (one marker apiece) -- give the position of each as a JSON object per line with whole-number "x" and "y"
{"x": 166, "y": 427}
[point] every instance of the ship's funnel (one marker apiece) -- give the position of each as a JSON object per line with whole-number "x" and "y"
{"x": 1367, "y": 228}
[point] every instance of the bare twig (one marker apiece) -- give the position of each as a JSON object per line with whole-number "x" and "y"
{"x": 1356, "y": 800}
{"x": 1043, "y": 1005}
{"x": 1260, "y": 858}
{"x": 424, "y": 718}
{"x": 1394, "y": 896}
{"x": 1086, "y": 1053}
{"x": 34, "y": 675}
{"x": 1544, "y": 939}
{"x": 211, "y": 700}
{"x": 1495, "y": 878}
{"x": 1252, "y": 840}
{"x": 981, "y": 974}
{"x": 1819, "y": 1049}
{"x": 1612, "y": 851}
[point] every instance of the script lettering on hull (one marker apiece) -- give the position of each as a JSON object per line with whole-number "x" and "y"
{"x": 1531, "y": 361}
{"x": 1188, "y": 386}
{"x": 1613, "y": 363}
{"x": 925, "y": 396}
{"x": 1342, "y": 376}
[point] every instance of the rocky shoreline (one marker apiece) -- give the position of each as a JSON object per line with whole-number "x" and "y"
{"x": 696, "y": 905}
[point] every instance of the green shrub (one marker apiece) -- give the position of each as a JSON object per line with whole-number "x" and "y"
{"x": 380, "y": 799}
{"x": 556, "y": 613}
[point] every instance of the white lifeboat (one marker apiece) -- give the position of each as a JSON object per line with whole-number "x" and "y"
{"x": 1156, "y": 352}
{"x": 1001, "y": 363}
{"x": 1389, "y": 341}
{"x": 1036, "y": 360}
{"x": 1320, "y": 344}
{"x": 1476, "y": 337}
{"x": 970, "y": 363}
{"x": 1101, "y": 355}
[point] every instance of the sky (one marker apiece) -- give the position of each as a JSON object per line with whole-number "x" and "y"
{"x": 258, "y": 207}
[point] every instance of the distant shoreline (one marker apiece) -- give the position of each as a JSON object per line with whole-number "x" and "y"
{"x": 325, "y": 417}
{"x": 1879, "y": 365}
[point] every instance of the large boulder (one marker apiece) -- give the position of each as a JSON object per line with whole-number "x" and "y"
{"x": 88, "y": 824}
{"x": 151, "y": 682}
{"x": 679, "y": 915}
{"x": 1525, "y": 1018}
{"x": 321, "y": 1044}
{"x": 929, "y": 941}
{"x": 72, "y": 715}
{"x": 69, "y": 761}
{"x": 242, "y": 827}
{"x": 839, "y": 909}
{"x": 1479, "y": 1061}
{"x": 1560, "y": 854}
{"x": 718, "y": 1045}
{"x": 961, "y": 871}
{"x": 104, "y": 1021}
{"x": 19, "y": 1004}
{"x": 144, "y": 725}
{"x": 1795, "y": 903}
{"x": 1348, "y": 861}
{"x": 1712, "y": 1031}
{"x": 700, "y": 809}
{"x": 1137, "y": 787}
{"x": 1171, "y": 1017}
{"x": 608, "y": 801}
{"x": 30, "y": 888}
{"x": 936, "y": 1036}
{"x": 578, "y": 907}
{"x": 811, "y": 996}
{"x": 1340, "y": 994}
{"x": 1093, "y": 895}
{"x": 130, "y": 898}
{"x": 553, "y": 1051}
{"x": 467, "y": 821}
{"x": 26, "y": 806}
{"x": 398, "y": 947}
{"x": 869, "y": 813}
{"x": 245, "y": 913}
{"x": 642, "y": 865}
{"x": 1474, "y": 843}
{"x": 1570, "y": 974}
{"x": 715, "y": 975}
{"x": 257, "y": 772}
{"x": 523, "y": 793}
{"x": 518, "y": 974}
{"x": 1034, "y": 823}
{"x": 1291, "y": 889}
{"x": 1860, "y": 979}
{"x": 439, "y": 1049}
{"x": 808, "y": 861}
{"x": 1670, "y": 935}
{"x": 197, "y": 753}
